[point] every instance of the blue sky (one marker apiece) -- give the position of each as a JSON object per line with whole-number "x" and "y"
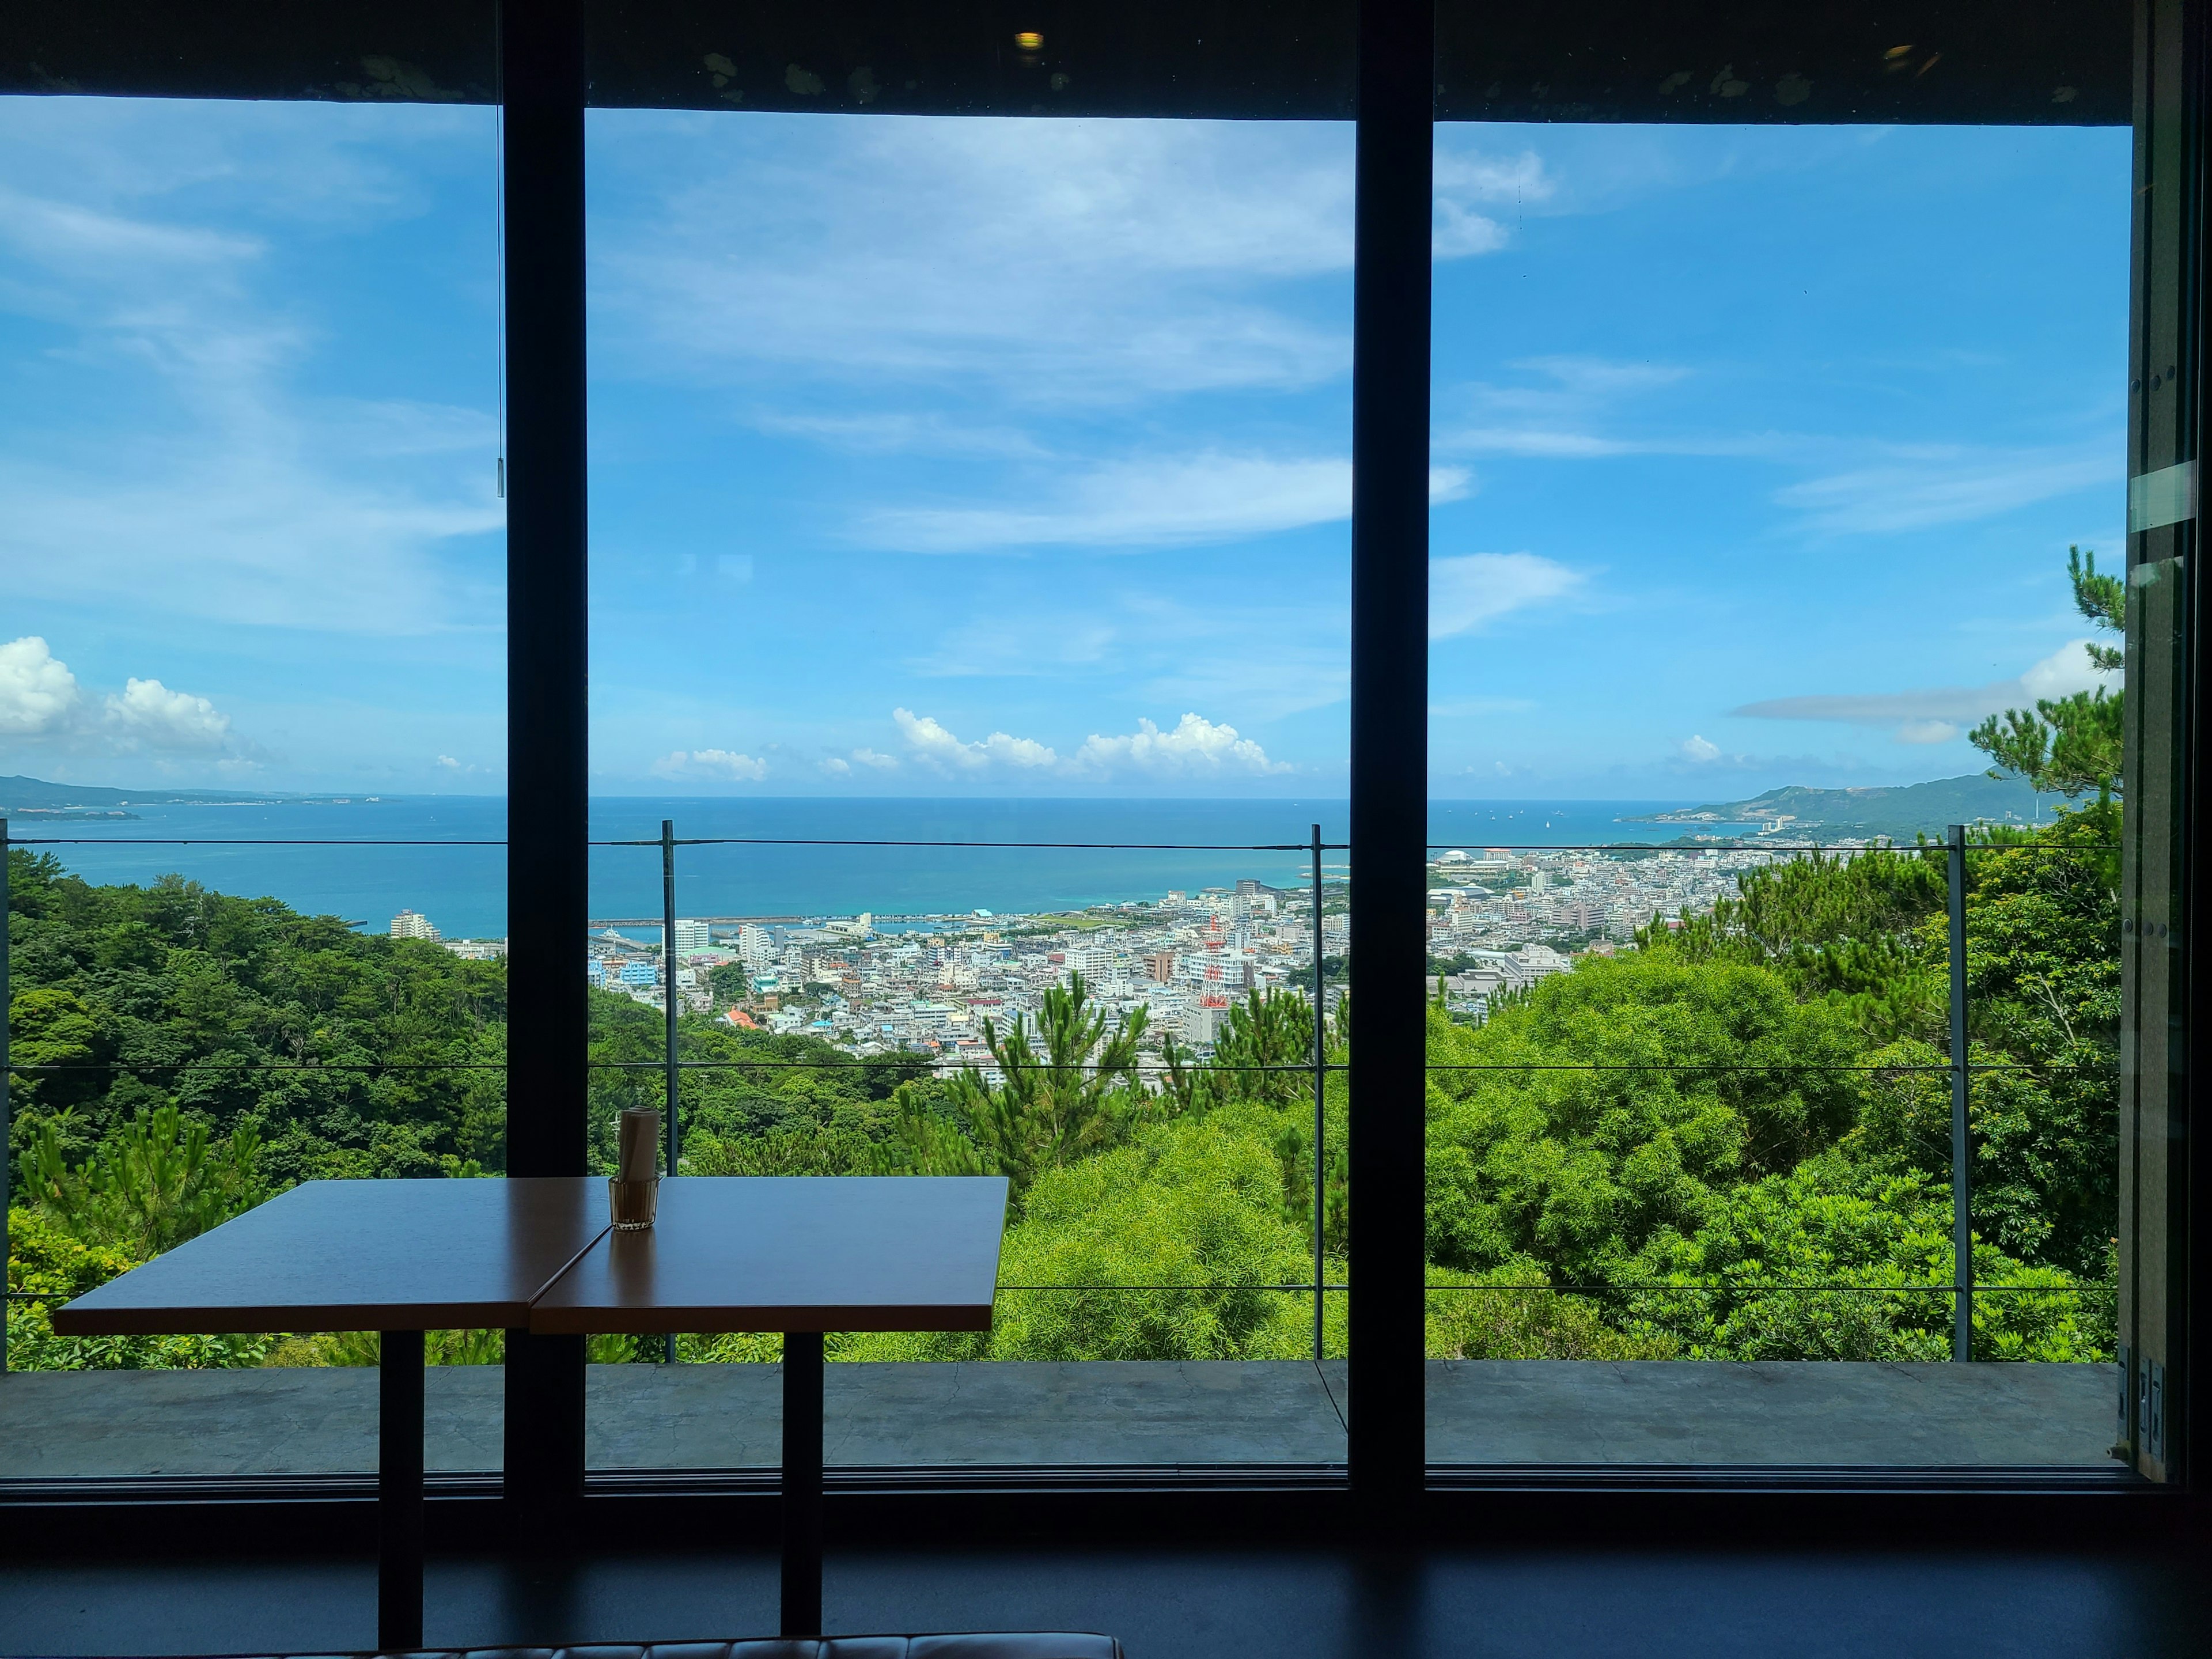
{"x": 1012, "y": 456}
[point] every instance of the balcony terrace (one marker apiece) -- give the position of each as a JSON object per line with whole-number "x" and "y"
{"x": 56, "y": 1424}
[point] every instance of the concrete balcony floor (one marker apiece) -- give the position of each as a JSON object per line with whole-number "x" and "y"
{"x": 59, "y": 1424}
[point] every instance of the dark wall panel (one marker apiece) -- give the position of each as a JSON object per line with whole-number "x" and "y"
{"x": 1752, "y": 61}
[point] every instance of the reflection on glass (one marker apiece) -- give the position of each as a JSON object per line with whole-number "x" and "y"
{"x": 252, "y": 547}
{"x": 973, "y": 495}
{"x": 1768, "y": 567}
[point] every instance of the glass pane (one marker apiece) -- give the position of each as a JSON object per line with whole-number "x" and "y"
{"x": 1783, "y": 436}
{"x": 970, "y": 571}
{"x": 252, "y": 690}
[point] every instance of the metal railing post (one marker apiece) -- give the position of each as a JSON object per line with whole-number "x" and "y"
{"x": 1320, "y": 1121}
{"x": 1962, "y": 1235}
{"x": 668, "y": 999}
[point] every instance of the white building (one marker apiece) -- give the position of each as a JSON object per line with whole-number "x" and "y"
{"x": 691, "y": 936}
{"x": 408, "y": 924}
{"x": 756, "y": 946}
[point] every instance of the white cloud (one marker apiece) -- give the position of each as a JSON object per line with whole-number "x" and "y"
{"x": 880, "y": 763}
{"x": 147, "y": 714}
{"x": 1949, "y": 485}
{"x": 834, "y": 768}
{"x": 1195, "y": 747}
{"x": 41, "y": 700}
{"x": 1057, "y": 260}
{"x": 245, "y": 499}
{"x": 1926, "y": 731}
{"x": 1155, "y": 501}
{"x": 1571, "y": 407}
{"x": 38, "y": 693}
{"x": 937, "y": 747}
{"x": 449, "y": 763}
{"x": 1472, "y": 589}
{"x": 1699, "y": 750}
{"x": 1464, "y": 180}
{"x": 898, "y": 432}
{"x": 1938, "y": 714}
{"x": 720, "y": 764}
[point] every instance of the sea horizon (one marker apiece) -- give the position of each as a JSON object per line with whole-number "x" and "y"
{"x": 326, "y": 859}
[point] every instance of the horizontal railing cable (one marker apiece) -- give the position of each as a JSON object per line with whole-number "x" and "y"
{"x": 923, "y": 1064}
{"x": 700, "y": 841}
{"x": 1791, "y": 848}
{"x": 1809, "y": 1290}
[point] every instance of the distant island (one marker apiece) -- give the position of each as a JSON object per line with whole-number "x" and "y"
{"x": 1899, "y": 811}
{"x": 36, "y": 798}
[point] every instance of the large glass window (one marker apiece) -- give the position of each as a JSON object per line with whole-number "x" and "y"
{"x": 969, "y": 559}
{"x": 1793, "y": 466}
{"x": 252, "y": 687}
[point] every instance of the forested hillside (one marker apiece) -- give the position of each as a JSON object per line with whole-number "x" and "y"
{"x": 1731, "y": 1143}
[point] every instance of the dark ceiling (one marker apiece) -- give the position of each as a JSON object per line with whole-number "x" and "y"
{"x": 2033, "y": 62}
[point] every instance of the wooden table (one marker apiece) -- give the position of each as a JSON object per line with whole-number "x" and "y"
{"x": 399, "y": 1257}
{"x": 801, "y": 1255}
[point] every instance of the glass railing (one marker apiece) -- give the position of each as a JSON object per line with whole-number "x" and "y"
{"x": 1769, "y": 1124}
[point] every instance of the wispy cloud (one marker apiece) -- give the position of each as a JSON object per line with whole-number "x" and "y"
{"x": 1939, "y": 713}
{"x": 1468, "y": 181}
{"x": 1469, "y": 590}
{"x": 1155, "y": 501}
{"x": 1915, "y": 489}
{"x": 1060, "y": 261}
{"x": 246, "y": 499}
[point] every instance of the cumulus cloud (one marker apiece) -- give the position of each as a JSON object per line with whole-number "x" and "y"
{"x": 1472, "y": 589}
{"x": 834, "y": 768}
{"x": 940, "y": 750}
{"x": 41, "y": 702}
{"x": 1939, "y": 713}
{"x": 147, "y": 714}
{"x": 870, "y": 758}
{"x": 720, "y": 764}
{"x": 1193, "y": 747}
{"x": 1699, "y": 751}
{"x": 449, "y": 763}
{"x": 1196, "y": 747}
{"x": 38, "y": 693}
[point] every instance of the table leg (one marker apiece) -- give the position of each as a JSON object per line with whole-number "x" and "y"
{"x": 802, "y": 1483}
{"x": 399, "y": 1492}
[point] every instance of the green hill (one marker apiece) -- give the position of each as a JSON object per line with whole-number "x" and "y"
{"x": 1900, "y": 811}
{"x": 20, "y": 794}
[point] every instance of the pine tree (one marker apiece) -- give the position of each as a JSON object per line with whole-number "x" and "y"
{"x": 2069, "y": 745}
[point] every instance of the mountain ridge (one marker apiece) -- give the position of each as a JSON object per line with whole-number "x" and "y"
{"x": 1898, "y": 811}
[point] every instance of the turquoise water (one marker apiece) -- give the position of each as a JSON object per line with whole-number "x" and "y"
{"x": 463, "y": 888}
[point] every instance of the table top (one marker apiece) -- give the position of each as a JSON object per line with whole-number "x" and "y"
{"x": 802, "y": 1253}
{"x": 360, "y": 1255}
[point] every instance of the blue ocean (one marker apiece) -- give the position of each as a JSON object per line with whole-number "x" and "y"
{"x": 332, "y": 866}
